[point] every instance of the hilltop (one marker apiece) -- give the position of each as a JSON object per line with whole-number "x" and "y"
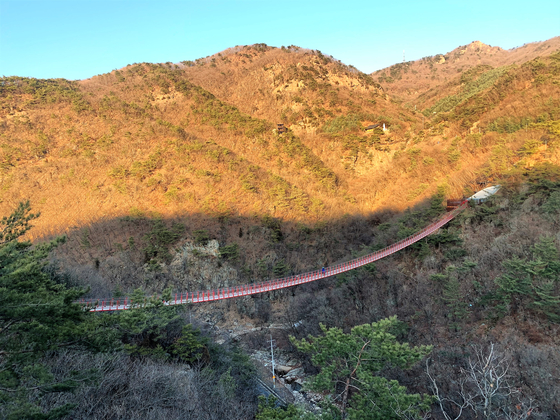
{"x": 293, "y": 85}
{"x": 410, "y": 79}
{"x": 151, "y": 132}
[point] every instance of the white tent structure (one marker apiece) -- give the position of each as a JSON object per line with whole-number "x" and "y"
{"x": 484, "y": 194}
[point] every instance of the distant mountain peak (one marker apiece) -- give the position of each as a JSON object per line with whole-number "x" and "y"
{"x": 478, "y": 44}
{"x": 417, "y": 77}
{"x": 476, "y": 47}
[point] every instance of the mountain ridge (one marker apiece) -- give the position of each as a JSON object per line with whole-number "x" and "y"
{"x": 410, "y": 79}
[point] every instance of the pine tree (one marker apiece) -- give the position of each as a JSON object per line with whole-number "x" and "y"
{"x": 532, "y": 283}
{"x": 547, "y": 301}
{"x": 454, "y": 301}
{"x": 350, "y": 364}
{"x": 37, "y": 317}
{"x": 514, "y": 286}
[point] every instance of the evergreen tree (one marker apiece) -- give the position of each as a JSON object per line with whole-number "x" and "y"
{"x": 37, "y": 317}
{"x": 532, "y": 283}
{"x": 454, "y": 301}
{"x": 350, "y": 364}
{"x": 547, "y": 301}
{"x": 269, "y": 410}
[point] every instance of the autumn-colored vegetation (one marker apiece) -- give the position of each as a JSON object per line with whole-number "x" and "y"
{"x": 140, "y": 165}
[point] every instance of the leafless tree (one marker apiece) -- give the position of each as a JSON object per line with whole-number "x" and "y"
{"x": 136, "y": 388}
{"x": 485, "y": 389}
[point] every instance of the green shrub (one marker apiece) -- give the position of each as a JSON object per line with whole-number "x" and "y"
{"x": 509, "y": 124}
{"x": 343, "y": 123}
{"x": 501, "y": 158}
{"x": 280, "y": 268}
{"x": 201, "y": 237}
{"x": 529, "y": 148}
{"x": 229, "y": 252}
{"x": 531, "y": 283}
{"x": 190, "y": 346}
{"x": 158, "y": 241}
{"x": 145, "y": 168}
{"x": 119, "y": 172}
{"x": 275, "y": 228}
{"x": 455, "y": 253}
{"x": 552, "y": 204}
{"x": 453, "y": 155}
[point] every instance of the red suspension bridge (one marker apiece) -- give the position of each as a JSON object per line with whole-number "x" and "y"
{"x": 97, "y": 305}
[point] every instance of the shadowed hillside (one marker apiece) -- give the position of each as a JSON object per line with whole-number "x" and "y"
{"x": 452, "y": 290}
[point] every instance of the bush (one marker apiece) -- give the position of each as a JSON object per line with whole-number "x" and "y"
{"x": 201, "y": 237}
{"x": 159, "y": 240}
{"x": 275, "y": 227}
{"x": 229, "y": 252}
{"x": 280, "y": 268}
{"x": 343, "y": 123}
{"x": 531, "y": 283}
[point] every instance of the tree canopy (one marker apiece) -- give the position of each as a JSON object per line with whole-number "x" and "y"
{"x": 350, "y": 365}
{"x": 37, "y": 317}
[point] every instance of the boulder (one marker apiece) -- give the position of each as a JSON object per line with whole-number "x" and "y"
{"x": 282, "y": 370}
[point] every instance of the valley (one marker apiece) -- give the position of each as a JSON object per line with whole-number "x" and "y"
{"x": 173, "y": 177}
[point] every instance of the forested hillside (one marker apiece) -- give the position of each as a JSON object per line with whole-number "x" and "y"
{"x": 168, "y": 138}
{"x": 410, "y": 79}
{"x": 163, "y": 178}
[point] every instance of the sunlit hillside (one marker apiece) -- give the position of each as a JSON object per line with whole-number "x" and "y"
{"x": 201, "y": 137}
{"x": 147, "y": 138}
{"x": 410, "y": 79}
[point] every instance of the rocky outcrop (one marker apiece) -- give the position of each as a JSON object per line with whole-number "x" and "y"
{"x": 199, "y": 267}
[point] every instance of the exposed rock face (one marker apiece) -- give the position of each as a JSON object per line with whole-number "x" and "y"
{"x": 200, "y": 268}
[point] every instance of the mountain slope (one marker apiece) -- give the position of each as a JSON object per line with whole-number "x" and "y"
{"x": 410, "y": 79}
{"x": 200, "y": 138}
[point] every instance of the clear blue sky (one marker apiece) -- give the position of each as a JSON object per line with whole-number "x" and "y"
{"x": 81, "y": 38}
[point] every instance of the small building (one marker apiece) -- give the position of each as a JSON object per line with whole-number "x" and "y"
{"x": 453, "y": 203}
{"x": 370, "y": 128}
{"x": 376, "y": 128}
{"x": 481, "y": 181}
{"x": 281, "y": 129}
{"x": 484, "y": 194}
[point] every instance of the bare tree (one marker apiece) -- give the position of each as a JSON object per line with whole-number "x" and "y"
{"x": 484, "y": 389}
{"x": 136, "y": 388}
